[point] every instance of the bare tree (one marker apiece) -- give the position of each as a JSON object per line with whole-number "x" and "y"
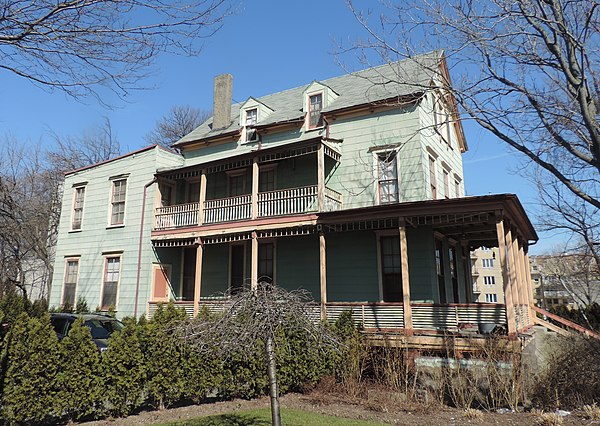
{"x": 256, "y": 315}
{"x": 528, "y": 73}
{"x": 92, "y": 146}
{"x": 27, "y": 204}
{"x": 179, "y": 121}
{"x": 79, "y": 46}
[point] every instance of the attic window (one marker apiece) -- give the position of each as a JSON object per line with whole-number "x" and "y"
{"x": 315, "y": 105}
{"x": 251, "y": 119}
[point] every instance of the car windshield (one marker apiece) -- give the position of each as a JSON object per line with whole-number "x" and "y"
{"x": 102, "y": 329}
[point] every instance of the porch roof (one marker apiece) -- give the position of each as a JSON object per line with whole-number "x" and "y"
{"x": 288, "y": 150}
{"x": 467, "y": 218}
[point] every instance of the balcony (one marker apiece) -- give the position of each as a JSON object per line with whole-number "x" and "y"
{"x": 279, "y": 202}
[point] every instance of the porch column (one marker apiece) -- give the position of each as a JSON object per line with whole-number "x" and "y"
{"x": 514, "y": 278}
{"x": 508, "y": 298}
{"x": 198, "y": 277}
{"x": 321, "y": 177}
{"x": 202, "y": 197}
{"x": 466, "y": 262}
{"x": 323, "y": 275}
{"x": 254, "y": 267}
{"x": 255, "y": 188}
{"x": 407, "y": 310}
{"x": 527, "y": 267}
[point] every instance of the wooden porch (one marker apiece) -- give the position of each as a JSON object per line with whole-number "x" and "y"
{"x": 252, "y": 188}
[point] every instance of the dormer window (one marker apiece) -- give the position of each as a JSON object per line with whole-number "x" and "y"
{"x": 315, "y": 105}
{"x": 251, "y": 120}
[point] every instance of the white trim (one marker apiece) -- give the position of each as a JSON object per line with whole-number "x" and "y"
{"x": 376, "y": 153}
{"x": 308, "y": 95}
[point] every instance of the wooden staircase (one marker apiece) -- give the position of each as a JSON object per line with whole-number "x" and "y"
{"x": 568, "y": 327}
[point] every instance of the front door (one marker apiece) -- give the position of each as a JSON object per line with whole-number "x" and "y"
{"x": 236, "y": 271}
{"x": 189, "y": 274}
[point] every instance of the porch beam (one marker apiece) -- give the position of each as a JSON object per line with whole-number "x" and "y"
{"x": 323, "y": 275}
{"x": 321, "y": 177}
{"x": 198, "y": 276}
{"x": 508, "y": 298}
{"x": 255, "y": 174}
{"x": 407, "y": 309}
{"x": 512, "y": 270}
{"x": 202, "y": 197}
{"x": 254, "y": 263}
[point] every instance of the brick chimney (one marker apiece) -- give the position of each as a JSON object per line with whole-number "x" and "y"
{"x": 222, "y": 101}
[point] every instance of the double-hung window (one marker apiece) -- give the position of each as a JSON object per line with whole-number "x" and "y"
{"x": 387, "y": 169}
{"x": 489, "y": 280}
{"x": 119, "y": 189}
{"x": 446, "y": 184}
{"x": 315, "y": 106}
{"x": 70, "y": 285}
{"x": 488, "y": 263}
{"x": 432, "y": 179}
{"x": 78, "y": 199}
{"x": 251, "y": 120}
{"x": 112, "y": 272}
{"x": 491, "y": 298}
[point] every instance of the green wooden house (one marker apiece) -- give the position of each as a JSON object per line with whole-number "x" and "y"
{"x": 351, "y": 188}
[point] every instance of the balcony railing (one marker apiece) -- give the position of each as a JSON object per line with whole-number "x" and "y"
{"x": 176, "y": 216}
{"x": 288, "y": 201}
{"x": 228, "y": 209}
{"x": 271, "y": 203}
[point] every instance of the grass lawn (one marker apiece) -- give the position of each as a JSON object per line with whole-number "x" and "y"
{"x": 262, "y": 417}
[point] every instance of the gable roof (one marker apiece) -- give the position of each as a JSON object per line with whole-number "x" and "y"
{"x": 398, "y": 79}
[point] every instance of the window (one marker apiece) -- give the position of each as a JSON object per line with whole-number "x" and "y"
{"x": 489, "y": 280}
{"x": 119, "y": 188}
{"x": 266, "y": 262}
{"x": 71, "y": 272}
{"x": 387, "y": 170}
{"x": 193, "y": 192}
{"x": 237, "y": 184}
{"x": 446, "y": 185}
{"x": 432, "y": 180}
{"x": 78, "y": 199}
{"x": 491, "y": 298}
{"x": 251, "y": 120}
{"x": 391, "y": 270}
{"x": 112, "y": 272}
{"x": 315, "y": 105}
{"x": 487, "y": 263}
{"x": 266, "y": 180}
{"x": 166, "y": 193}
{"x": 457, "y": 188}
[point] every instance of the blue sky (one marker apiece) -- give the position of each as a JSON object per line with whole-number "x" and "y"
{"x": 268, "y": 46}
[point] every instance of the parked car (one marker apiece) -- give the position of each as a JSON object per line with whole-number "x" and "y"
{"x": 101, "y": 326}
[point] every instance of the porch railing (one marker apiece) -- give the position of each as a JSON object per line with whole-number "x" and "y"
{"x": 333, "y": 200}
{"x": 287, "y": 201}
{"x": 389, "y": 316}
{"x": 176, "y": 216}
{"x": 228, "y": 209}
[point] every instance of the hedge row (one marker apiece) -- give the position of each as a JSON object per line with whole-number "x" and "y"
{"x": 45, "y": 380}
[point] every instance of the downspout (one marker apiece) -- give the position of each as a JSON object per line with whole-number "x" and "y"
{"x": 139, "y": 263}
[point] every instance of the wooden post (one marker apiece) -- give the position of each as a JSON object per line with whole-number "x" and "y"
{"x": 321, "y": 177}
{"x": 323, "y": 275}
{"x": 202, "y": 197}
{"x": 255, "y": 173}
{"x": 524, "y": 282}
{"x": 198, "y": 277}
{"x": 407, "y": 310}
{"x": 508, "y": 298}
{"x": 512, "y": 270}
{"x": 254, "y": 267}
{"x": 466, "y": 262}
{"x": 527, "y": 264}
